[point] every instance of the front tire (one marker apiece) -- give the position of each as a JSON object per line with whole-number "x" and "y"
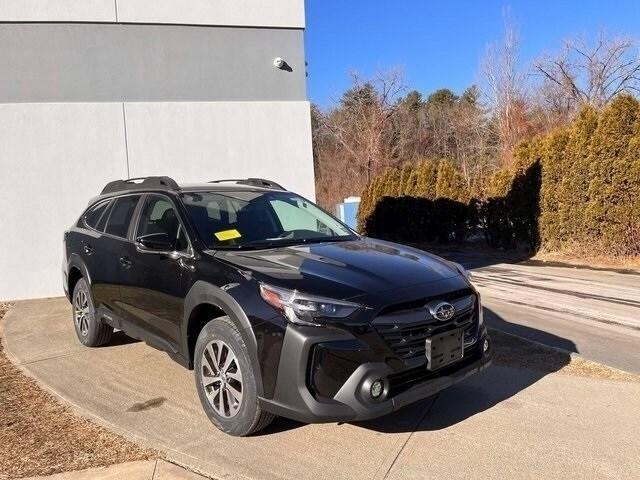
{"x": 225, "y": 380}
{"x": 90, "y": 331}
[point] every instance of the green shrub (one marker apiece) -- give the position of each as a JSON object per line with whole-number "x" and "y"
{"x": 427, "y": 179}
{"x": 578, "y": 186}
{"x": 415, "y": 219}
{"x": 590, "y": 182}
{"x": 613, "y": 187}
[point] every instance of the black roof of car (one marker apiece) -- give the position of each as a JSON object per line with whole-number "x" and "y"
{"x": 212, "y": 187}
{"x": 169, "y": 184}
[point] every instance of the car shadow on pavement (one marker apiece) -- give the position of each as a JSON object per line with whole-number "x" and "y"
{"x": 476, "y": 255}
{"x": 517, "y": 364}
{"x": 496, "y": 322}
{"x": 120, "y": 338}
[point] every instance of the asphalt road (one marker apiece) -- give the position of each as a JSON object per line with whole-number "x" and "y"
{"x": 595, "y": 313}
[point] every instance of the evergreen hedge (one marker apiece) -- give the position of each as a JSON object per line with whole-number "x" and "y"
{"x": 590, "y": 194}
{"x": 432, "y": 194}
{"x": 578, "y": 186}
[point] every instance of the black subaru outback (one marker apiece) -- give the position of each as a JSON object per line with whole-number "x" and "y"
{"x": 278, "y": 307}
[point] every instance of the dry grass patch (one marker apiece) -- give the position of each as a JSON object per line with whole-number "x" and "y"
{"x": 40, "y": 436}
{"x": 586, "y": 258}
{"x": 513, "y": 351}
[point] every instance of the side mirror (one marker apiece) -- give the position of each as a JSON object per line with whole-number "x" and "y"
{"x": 156, "y": 243}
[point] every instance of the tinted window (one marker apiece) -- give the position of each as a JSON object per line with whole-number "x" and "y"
{"x": 120, "y": 216}
{"x": 92, "y": 217}
{"x": 238, "y": 219}
{"x": 159, "y": 217}
{"x": 295, "y": 215}
{"x": 103, "y": 220}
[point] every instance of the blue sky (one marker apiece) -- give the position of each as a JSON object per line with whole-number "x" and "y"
{"x": 441, "y": 43}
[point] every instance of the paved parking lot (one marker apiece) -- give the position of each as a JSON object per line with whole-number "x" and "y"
{"x": 513, "y": 421}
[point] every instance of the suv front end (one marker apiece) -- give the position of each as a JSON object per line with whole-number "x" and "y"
{"x": 377, "y": 359}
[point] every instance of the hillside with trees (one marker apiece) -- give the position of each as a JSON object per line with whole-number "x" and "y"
{"x": 546, "y": 156}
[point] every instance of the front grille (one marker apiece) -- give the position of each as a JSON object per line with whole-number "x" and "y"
{"x": 406, "y": 331}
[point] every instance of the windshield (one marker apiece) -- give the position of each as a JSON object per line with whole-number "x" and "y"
{"x": 250, "y": 219}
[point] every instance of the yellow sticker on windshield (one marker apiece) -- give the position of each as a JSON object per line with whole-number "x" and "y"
{"x": 227, "y": 235}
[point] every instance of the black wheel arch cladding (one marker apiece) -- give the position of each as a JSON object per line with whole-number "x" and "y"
{"x": 205, "y": 293}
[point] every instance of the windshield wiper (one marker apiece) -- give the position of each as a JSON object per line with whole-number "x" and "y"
{"x": 266, "y": 243}
{"x": 326, "y": 239}
{"x": 295, "y": 241}
{"x": 253, "y": 245}
{"x": 280, "y": 242}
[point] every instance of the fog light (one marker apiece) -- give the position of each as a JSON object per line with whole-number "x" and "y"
{"x": 485, "y": 345}
{"x": 376, "y": 389}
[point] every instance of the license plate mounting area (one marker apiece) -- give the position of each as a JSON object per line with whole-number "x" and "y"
{"x": 444, "y": 349}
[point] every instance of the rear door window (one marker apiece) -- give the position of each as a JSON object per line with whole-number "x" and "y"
{"x": 120, "y": 216}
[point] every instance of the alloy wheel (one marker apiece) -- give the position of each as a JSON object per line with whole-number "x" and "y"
{"x": 81, "y": 312}
{"x": 221, "y": 378}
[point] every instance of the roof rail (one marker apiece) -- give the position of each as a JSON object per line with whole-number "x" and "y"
{"x": 140, "y": 183}
{"x": 254, "y": 182}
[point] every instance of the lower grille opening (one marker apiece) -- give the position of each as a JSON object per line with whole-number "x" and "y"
{"x": 402, "y": 381}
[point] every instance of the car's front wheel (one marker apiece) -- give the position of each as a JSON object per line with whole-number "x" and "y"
{"x": 226, "y": 381}
{"x": 90, "y": 330}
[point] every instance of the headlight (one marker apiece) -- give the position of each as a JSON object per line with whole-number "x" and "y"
{"x": 463, "y": 271}
{"x": 305, "y": 309}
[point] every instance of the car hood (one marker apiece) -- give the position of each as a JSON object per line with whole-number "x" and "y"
{"x": 342, "y": 269}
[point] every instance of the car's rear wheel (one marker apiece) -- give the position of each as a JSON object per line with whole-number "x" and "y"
{"x": 90, "y": 331}
{"x": 226, "y": 381}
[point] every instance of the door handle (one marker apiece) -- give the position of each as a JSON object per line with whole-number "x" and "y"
{"x": 125, "y": 262}
{"x": 88, "y": 249}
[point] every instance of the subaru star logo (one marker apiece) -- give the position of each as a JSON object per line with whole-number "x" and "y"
{"x": 442, "y": 311}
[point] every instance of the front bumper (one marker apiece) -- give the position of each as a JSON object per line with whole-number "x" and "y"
{"x": 294, "y": 397}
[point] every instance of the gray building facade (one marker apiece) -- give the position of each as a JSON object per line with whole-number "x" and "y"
{"x": 95, "y": 90}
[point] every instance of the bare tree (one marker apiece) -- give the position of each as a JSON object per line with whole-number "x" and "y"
{"x": 506, "y": 89}
{"x": 473, "y": 139}
{"x": 590, "y": 73}
{"x": 361, "y": 124}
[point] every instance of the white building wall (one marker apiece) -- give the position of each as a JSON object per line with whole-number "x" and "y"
{"x": 266, "y": 13}
{"x": 199, "y": 141}
{"x": 256, "y": 13}
{"x": 57, "y": 11}
{"x": 55, "y": 156}
{"x": 53, "y": 159}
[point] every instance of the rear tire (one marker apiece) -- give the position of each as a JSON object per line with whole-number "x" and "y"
{"x": 90, "y": 331}
{"x": 225, "y": 380}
